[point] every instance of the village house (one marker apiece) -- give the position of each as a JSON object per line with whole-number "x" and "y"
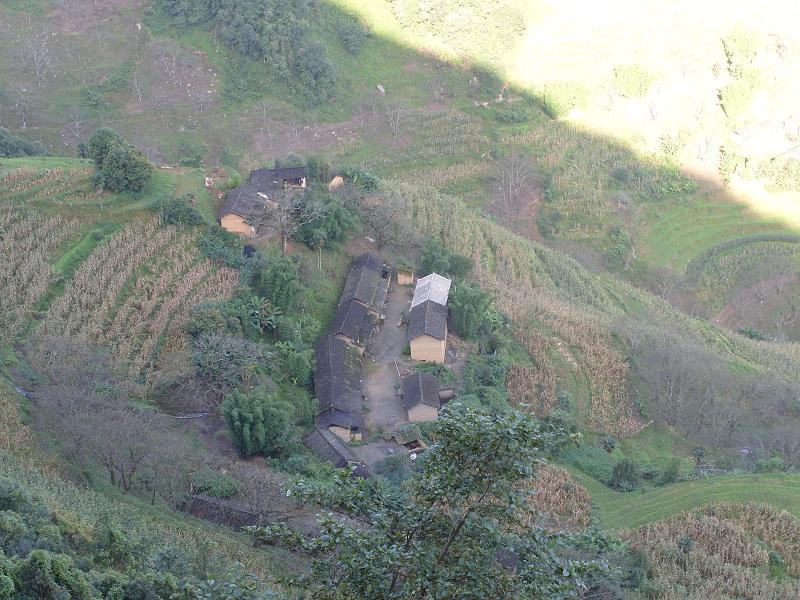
{"x": 353, "y": 323}
{"x": 328, "y": 447}
{"x": 246, "y": 204}
{"x": 337, "y": 386}
{"x": 243, "y": 206}
{"x": 421, "y": 397}
{"x": 367, "y": 283}
{"x": 427, "y": 319}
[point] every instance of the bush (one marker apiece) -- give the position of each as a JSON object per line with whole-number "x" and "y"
{"x": 560, "y": 97}
{"x": 593, "y": 461}
{"x": 754, "y": 334}
{"x": 176, "y": 211}
{"x": 671, "y": 473}
{"x": 438, "y": 259}
{"x": 364, "y": 179}
{"x": 469, "y": 306}
{"x": 738, "y": 95}
{"x": 352, "y": 34}
{"x": 12, "y": 145}
{"x": 279, "y": 282}
{"x": 443, "y": 374}
{"x": 517, "y": 114}
{"x": 769, "y": 465}
{"x": 120, "y": 166}
{"x": 632, "y": 80}
{"x": 259, "y": 423}
{"x": 221, "y": 246}
{"x": 625, "y": 476}
{"x": 100, "y": 144}
{"x": 214, "y": 483}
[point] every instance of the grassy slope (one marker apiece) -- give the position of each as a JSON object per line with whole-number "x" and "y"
{"x": 616, "y": 510}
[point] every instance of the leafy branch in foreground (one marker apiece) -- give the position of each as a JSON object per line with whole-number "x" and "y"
{"x": 458, "y": 529}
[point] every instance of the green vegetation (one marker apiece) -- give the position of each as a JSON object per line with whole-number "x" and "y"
{"x": 14, "y": 145}
{"x": 632, "y": 80}
{"x": 617, "y": 510}
{"x": 258, "y": 422}
{"x": 120, "y": 167}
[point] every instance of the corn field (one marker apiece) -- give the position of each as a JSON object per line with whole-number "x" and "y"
{"x": 134, "y": 293}
{"x": 534, "y": 386}
{"x": 719, "y": 552}
{"x": 26, "y": 243}
{"x": 561, "y": 502}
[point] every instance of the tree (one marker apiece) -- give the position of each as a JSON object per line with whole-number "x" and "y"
{"x": 331, "y": 225}
{"x": 451, "y": 530}
{"x": 387, "y": 218}
{"x": 13, "y": 145}
{"x": 625, "y": 475}
{"x": 224, "y": 362}
{"x": 100, "y": 144}
{"x": 512, "y": 177}
{"x": 279, "y": 281}
{"x": 259, "y": 424}
{"x": 125, "y": 169}
{"x": 438, "y": 259}
{"x": 289, "y": 211}
{"x": 469, "y": 306}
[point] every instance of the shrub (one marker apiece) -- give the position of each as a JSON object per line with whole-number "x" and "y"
{"x": 632, "y": 80}
{"x": 625, "y": 476}
{"x": 737, "y": 96}
{"x": 12, "y": 145}
{"x": 214, "y": 483}
{"x": 221, "y": 246}
{"x": 754, "y": 334}
{"x": 560, "y": 97}
{"x": 593, "y": 461}
{"x": 176, "y": 211}
{"x": 366, "y": 180}
{"x": 279, "y": 281}
{"x": 469, "y": 306}
{"x": 671, "y": 472}
{"x": 769, "y": 465}
{"x": 517, "y": 114}
{"x": 438, "y": 259}
{"x": 443, "y": 374}
{"x": 352, "y": 34}
{"x": 259, "y": 424}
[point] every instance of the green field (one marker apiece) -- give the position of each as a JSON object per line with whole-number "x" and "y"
{"x": 616, "y": 510}
{"x": 673, "y": 236}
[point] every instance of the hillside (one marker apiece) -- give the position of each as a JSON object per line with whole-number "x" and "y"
{"x": 622, "y": 184}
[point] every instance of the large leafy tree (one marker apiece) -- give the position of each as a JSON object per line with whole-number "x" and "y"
{"x": 126, "y": 169}
{"x": 460, "y": 528}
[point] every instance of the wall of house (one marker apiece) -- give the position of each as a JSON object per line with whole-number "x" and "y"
{"x": 422, "y": 412}
{"x": 405, "y": 277}
{"x": 345, "y": 433}
{"x": 236, "y": 224}
{"x": 428, "y": 349}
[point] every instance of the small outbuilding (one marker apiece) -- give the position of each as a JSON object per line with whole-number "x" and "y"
{"x": 242, "y": 208}
{"x": 367, "y": 283}
{"x": 421, "y": 397}
{"x": 353, "y": 323}
{"x": 337, "y": 386}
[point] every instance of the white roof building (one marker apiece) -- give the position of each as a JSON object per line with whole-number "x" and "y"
{"x": 432, "y": 287}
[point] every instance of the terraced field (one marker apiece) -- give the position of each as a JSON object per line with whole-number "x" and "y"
{"x": 616, "y": 510}
{"x": 674, "y": 236}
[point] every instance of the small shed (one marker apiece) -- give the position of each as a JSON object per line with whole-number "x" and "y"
{"x": 353, "y": 323}
{"x": 405, "y": 275}
{"x": 421, "y": 397}
{"x": 242, "y": 207}
{"x": 427, "y": 331}
{"x": 367, "y": 283}
{"x": 337, "y": 386}
{"x": 326, "y": 446}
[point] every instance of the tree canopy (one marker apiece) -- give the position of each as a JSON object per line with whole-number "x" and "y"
{"x": 458, "y": 529}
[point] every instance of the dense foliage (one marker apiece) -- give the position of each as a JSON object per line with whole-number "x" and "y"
{"x": 120, "y": 166}
{"x": 272, "y": 31}
{"x": 14, "y": 145}
{"x": 454, "y": 529}
{"x": 259, "y": 422}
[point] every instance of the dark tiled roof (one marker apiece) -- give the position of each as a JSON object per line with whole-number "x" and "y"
{"x": 428, "y": 318}
{"x": 243, "y": 201}
{"x": 353, "y": 321}
{"x": 337, "y": 383}
{"x": 366, "y": 283}
{"x": 266, "y": 180}
{"x": 326, "y": 446}
{"x": 421, "y": 388}
{"x": 369, "y": 260}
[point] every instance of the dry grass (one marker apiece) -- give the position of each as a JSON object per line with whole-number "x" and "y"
{"x": 562, "y": 502}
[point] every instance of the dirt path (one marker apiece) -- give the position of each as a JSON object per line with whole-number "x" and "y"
{"x": 381, "y": 381}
